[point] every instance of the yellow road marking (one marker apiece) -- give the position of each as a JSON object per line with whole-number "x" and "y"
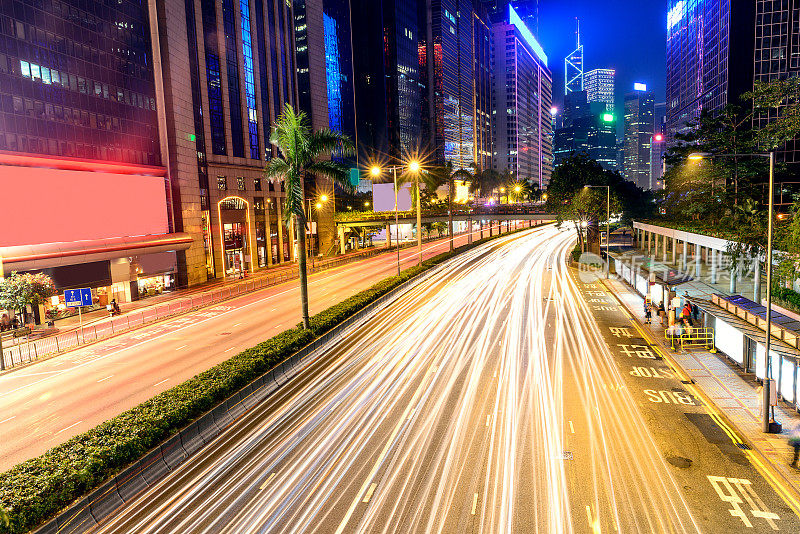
{"x": 778, "y": 485}
{"x": 370, "y": 491}
{"x": 474, "y": 504}
{"x": 264, "y": 485}
{"x": 571, "y": 428}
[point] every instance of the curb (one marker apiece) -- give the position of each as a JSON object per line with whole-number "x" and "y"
{"x": 787, "y": 490}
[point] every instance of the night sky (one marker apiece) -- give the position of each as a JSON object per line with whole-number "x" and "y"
{"x": 627, "y": 35}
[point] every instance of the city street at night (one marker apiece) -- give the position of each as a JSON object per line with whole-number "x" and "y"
{"x": 505, "y": 393}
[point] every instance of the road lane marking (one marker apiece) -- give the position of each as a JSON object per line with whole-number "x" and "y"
{"x": 593, "y": 523}
{"x": 228, "y": 350}
{"x": 411, "y": 415}
{"x": 474, "y": 504}
{"x": 7, "y": 420}
{"x": 70, "y": 426}
{"x": 264, "y": 485}
{"x": 182, "y": 347}
{"x": 369, "y": 493}
{"x": 104, "y": 379}
{"x": 237, "y": 324}
{"x": 571, "y": 428}
{"x": 488, "y": 418}
{"x": 159, "y": 383}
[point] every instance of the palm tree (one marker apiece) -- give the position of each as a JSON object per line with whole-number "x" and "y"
{"x": 484, "y": 181}
{"x": 448, "y": 174}
{"x": 301, "y": 150}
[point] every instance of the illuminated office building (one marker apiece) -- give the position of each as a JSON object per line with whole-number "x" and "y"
{"x": 587, "y": 127}
{"x": 639, "y": 110}
{"x": 455, "y": 75}
{"x": 709, "y": 57}
{"x": 522, "y": 103}
{"x": 599, "y": 87}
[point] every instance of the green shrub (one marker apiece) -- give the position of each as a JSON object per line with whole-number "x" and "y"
{"x": 39, "y": 488}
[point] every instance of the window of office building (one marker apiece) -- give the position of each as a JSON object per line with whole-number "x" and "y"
{"x": 222, "y": 183}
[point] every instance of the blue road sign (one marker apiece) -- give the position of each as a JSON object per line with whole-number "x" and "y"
{"x": 78, "y": 297}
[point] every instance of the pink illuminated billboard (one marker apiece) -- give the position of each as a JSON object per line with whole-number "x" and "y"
{"x": 54, "y": 205}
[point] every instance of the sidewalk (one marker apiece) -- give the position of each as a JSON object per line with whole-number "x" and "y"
{"x": 733, "y": 392}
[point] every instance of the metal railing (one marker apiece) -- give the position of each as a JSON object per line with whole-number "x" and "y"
{"x": 690, "y": 337}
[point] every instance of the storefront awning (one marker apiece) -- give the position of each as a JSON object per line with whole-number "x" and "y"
{"x": 49, "y": 255}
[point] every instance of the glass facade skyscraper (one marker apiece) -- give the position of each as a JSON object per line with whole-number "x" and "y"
{"x": 523, "y": 90}
{"x": 76, "y": 80}
{"x": 599, "y": 86}
{"x": 587, "y": 127}
{"x": 777, "y": 56}
{"x": 709, "y": 57}
{"x": 639, "y": 110}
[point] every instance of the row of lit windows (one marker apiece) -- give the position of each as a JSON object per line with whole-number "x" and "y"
{"x": 37, "y": 145}
{"x": 241, "y": 184}
{"x": 60, "y": 78}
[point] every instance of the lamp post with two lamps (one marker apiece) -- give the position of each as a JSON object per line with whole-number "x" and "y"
{"x": 608, "y": 219}
{"x": 765, "y": 392}
{"x": 413, "y": 167}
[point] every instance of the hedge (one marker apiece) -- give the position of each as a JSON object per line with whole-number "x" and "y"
{"x": 37, "y": 489}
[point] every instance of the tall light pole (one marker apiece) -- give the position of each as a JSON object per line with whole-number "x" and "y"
{"x": 414, "y": 168}
{"x": 765, "y": 391}
{"x": 608, "y": 221}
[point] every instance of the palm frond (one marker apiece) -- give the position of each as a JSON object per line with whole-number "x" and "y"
{"x": 276, "y": 169}
{"x": 334, "y": 170}
{"x": 326, "y": 141}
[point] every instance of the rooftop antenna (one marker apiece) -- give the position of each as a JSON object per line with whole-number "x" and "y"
{"x": 577, "y": 32}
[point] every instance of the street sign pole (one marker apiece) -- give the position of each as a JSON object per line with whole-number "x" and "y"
{"x": 80, "y": 323}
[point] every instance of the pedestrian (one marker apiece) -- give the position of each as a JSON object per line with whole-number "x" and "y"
{"x": 648, "y": 310}
{"x": 5, "y": 323}
{"x": 794, "y": 441}
{"x": 110, "y": 309}
{"x": 695, "y": 312}
{"x": 662, "y": 313}
{"x": 686, "y": 313}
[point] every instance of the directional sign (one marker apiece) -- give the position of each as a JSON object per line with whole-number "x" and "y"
{"x": 75, "y": 298}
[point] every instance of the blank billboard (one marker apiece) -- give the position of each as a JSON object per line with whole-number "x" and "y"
{"x": 54, "y": 206}
{"x": 383, "y": 197}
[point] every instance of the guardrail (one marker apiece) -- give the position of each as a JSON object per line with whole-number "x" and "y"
{"x": 146, "y": 472}
{"x": 691, "y": 337}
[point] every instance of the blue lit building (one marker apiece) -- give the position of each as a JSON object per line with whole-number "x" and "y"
{"x": 523, "y": 89}
{"x": 587, "y": 127}
{"x": 709, "y": 57}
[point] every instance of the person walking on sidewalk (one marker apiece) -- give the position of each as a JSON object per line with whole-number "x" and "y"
{"x": 662, "y": 313}
{"x": 794, "y": 441}
{"x": 648, "y": 311}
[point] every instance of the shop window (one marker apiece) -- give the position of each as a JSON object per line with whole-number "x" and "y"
{"x": 240, "y": 183}
{"x": 222, "y": 183}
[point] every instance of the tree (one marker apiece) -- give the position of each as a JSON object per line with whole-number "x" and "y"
{"x": 301, "y": 150}
{"x": 20, "y": 290}
{"x": 484, "y": 181}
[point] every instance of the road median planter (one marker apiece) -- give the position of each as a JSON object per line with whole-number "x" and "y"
{"x": 111, "y": 464}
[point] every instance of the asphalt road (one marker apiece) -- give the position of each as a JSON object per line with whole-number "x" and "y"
{"x": 47, "y": 403}
{"x": 505, "y": 394}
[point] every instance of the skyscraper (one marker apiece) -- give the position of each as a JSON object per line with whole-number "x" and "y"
{"x": 777, "y": 56}
{"x": 386, "y": 67}
{"x": 658, "y": 147}
{"x": 587, "y": 128}
{"x": 599, "y": 86}
{"x": 638, "y": 135}
{"x": 573, "y": 64}
{"x": 325, "y": 90}
{"x": 709, "y": 56}
{"x": 522, "y": 101}
{"x": 448, "y": 70}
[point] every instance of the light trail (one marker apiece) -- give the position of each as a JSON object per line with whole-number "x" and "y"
{"x": 446, "y": 413}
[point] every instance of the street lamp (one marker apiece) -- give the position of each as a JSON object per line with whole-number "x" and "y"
{"x": 608, "y": 220}
{"x": 413, "y": 167}
{"x": 765, "y": 391}
{"x": 318, "y": 205}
